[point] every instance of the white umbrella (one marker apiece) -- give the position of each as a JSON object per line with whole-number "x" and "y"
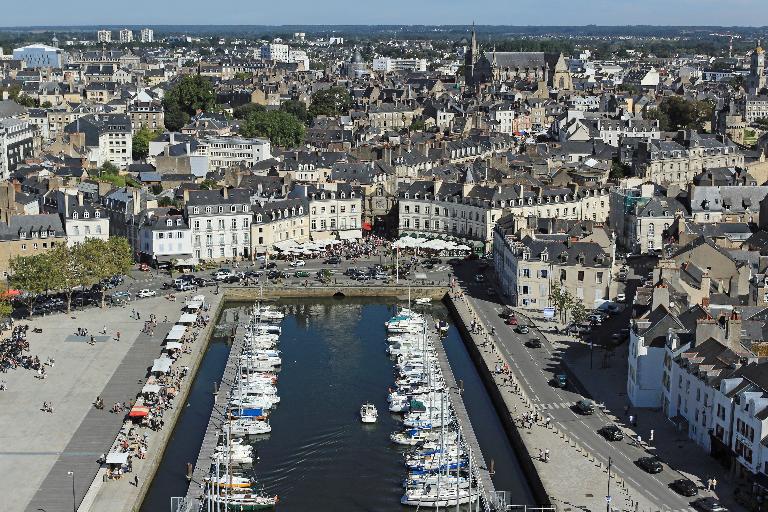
{"x": 463, "y": 248}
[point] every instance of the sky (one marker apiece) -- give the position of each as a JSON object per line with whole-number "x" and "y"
{"x": 369, "y": 12}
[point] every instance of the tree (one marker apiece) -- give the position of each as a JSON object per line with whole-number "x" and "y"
{"x": 166, "y": 202}
{"x": 208, "y": 184}
{"x": 677, "y": 113}
{"x": 66, "y": 273}
{"x": 296, "y": 108}
{"x": 619, "y": 170}
{"x": 244, "y": 111}
{"x": 46, "y": 104}
{"x": 188, "y": 95}
{"x": 418, "y": 125}
{"x": 334, "y": 101}
{"x": 281, "y": 128}
{"x": 175, "y": 118}
{"x": 26, "y": 101}
{"x": 578, "y": 312}
{"x": 28, "y": 274}
{"x": 141, "y": 142}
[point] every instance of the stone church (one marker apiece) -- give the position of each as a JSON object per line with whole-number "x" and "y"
{"x": 482, "y": 68}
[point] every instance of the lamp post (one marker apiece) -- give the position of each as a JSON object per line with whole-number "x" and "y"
{"x": 608, "y": 496}
{"x": 74, "y": 501}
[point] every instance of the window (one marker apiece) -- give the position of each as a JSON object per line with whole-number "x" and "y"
{"x": 580, "y": 275}
{"x": 221, "y": 223}
{"x": 234, "y": 223}
{"x": 233, "y": 208}
{"x": 23, "y": 247}
{"x": 599, "y": 278}
{"x": 221, "y": 210}
{"x": 208, "y": 209}
{"x": 197, "y": 225}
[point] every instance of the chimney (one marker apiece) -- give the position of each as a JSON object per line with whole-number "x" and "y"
{"x": 706, "y": 283}
{"x": 436, "y": 183}
{"x": 225, "y": 192}
{"x": 733, "y": 331}
{"x": 188, "y": 149}
{"x": 80, "y": 199}
{"x": 172, "y": 140}
{"x": 660, "y": 296}
{"x": 186, "y": 196}
{"x": 136, "y": 197}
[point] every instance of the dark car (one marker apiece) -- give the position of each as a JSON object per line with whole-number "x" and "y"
{"x": 333, "y": 260}
{"x": 522, "y": 329}
{"x": 650, "y": 464}
{"x": 301, "y": 273}
{"x": 232, "y": 279}
{"x": 684, "y": 487}
{"x": 708, "y": 504}
{"x": 202, "y": 282}
{"x": 611, "y": 433}
{"x": 560, "y": 381}
{"x": 268, "y": 265}
{"x": 533, "y": 343}
{"x": 585, "y": 407}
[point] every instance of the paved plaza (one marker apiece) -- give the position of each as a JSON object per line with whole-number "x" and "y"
{"x": 39, "y": 448}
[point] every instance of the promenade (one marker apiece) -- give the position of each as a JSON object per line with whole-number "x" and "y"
{"x": 38, "y": 449}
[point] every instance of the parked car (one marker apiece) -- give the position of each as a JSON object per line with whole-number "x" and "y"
{"x": 297, "y": 263}
{"x": 684, "y": 487}
{"x": 621, "y": 297}
{"x": 301, "y": 273}
{"x": 511, "y": 320}
{"x": 202, "y": 282}
{"x": 611, "y": 433}
{"x": 222, "y": 274}
{"x": 533, "y": 343}
{"x": 585, "y": 407}
{"x": 184, "y": 286}
{"x": 146, "y": 293}
{"x": 522, "y": 329}
{"x": 268, "y": 265}
{"x": 708, "y": 504}
{"x": 333, "y": 260}
{"x": 650, "y": 464}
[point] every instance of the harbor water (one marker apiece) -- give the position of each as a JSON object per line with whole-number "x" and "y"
{"x": 319, "y": 456}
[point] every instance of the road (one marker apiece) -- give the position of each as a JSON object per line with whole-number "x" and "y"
{"x": 536, "y": 368}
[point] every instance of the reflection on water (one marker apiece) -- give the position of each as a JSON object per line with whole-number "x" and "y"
{"x": 319, "y": 456}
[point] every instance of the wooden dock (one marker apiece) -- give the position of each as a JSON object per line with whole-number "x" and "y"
{"x": 478, "y": 465}
{"x": 217, "y": 420}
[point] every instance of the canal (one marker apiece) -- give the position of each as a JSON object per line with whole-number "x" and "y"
{"x": 319, "y": 455}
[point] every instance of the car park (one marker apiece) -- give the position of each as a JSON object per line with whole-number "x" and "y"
{"x": 611, "y": 433}
{"x": 533, "y": 343}
{"x": 585, "y": 407}
{"x": 650, "y": 465}
{"x": 684, "y": 487}
{"x": 144, "y": 293}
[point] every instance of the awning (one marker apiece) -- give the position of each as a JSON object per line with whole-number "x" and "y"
{"x": 138, "y": 411}
{"x": 162, "y": 365}
{"x": 322, "y": 235}
{"x": 193, "y": 305}
{"x": 117, "y": 458}
{"x": 186, "y": 262}
{"x": 187, "y": 318}
{"x": 150, "y": 388}
{"x": 285, "y": 244}
{"x": 350, "y": 234}
{"x": 367, "y": 226}
{"x": 176, "y": 332}
{"x": 173, "y": 345}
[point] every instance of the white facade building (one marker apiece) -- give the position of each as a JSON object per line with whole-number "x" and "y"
{"x": 163, "y": 237}
{"x": 220, "y": 222}
{"x": 275, "y": 52}
{"x": 388, "y": 64}
{"x": 147, "y": 35}
{"x": 126, "y": 36}
{"x": 225, "y": 152}
{"x": 104, "y": 36}
{"x": 40, "y": 56}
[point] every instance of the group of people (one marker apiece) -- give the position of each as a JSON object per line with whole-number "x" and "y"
{"x": 13, "y": 351}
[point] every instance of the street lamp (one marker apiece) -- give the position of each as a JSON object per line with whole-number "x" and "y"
{"x": 74, "y": 502}
{"x": 608, "y": 496}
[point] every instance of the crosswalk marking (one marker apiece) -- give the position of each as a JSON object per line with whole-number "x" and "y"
{"x": 556, "y": 405}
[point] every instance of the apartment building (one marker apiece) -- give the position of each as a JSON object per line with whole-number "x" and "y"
{"x": 164, "y": 235}
{"x": 279, "y": 224}
{"x": 220, "y": 222}
{"x": 224, "y": 152}
{"x": 106, "y": 137}
{"x": 16, "y": 144}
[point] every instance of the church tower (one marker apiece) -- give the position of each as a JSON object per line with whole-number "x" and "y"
{"x": 756, "y": 78}
{"x": 470, "y": 59}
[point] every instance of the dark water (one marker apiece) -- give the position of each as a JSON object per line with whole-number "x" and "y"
{"x": 319, "y": 456}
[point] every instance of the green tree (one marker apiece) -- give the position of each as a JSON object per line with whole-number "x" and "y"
{"x": 619, "y": 170}
{"x": 295, "y": 108}
{"x": 281, "y": 128}
{"x": 175, "y": 118}
{"x": 28, "y": 274}
{"x": 26, "y": 101}
{"x": 677, "y": 113}
{"x": 66, "y": 272}
{"x": 578, "y": 312}
{"x": 208, "y": 184}
{"x": 244, "y": 111}
{"x": 46, "y": 104}
{"x": 334, "y": 101}
{"x": 141, "y": 142}
{"x": 418, "y": 125}
{"x": 243, "y": 75}
{"x": 166, "y": 202}
{"x": 185, "y": 97}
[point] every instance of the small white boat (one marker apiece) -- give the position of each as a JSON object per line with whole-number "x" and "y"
{"x": 249, "y": 427}
{"x": 368, "y": 413}
{"x": 423, "y": 301}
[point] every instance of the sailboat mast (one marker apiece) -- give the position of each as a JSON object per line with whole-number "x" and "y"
{"x": 458, "y": 458}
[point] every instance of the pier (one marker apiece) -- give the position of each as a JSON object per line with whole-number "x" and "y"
{"x": 478, "y": 464}
{"x": 215, "y": 423}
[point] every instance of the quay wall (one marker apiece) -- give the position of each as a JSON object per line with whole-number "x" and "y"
{"x": 153, "y": 461}
{"x": 483, "y": 366}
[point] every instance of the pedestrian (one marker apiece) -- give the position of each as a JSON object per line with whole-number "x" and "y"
{"x": 541, "y": 454}
{"x": 136, "y": 480}
{"x": 138, "y": 316}
{"x": 714, "y": 484}
{"x": 631, "y": 419}
{"x": 546, "y": 455}
{"x": 709, "y": 484}
{"x": 104, "y": 330}
{"x": 118, "y": 335}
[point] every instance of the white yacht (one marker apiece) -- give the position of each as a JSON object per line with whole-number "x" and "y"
{"x": 431, "y": 497}
{"x": 368, "y": 413}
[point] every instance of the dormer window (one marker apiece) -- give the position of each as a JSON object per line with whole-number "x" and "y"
{"x": 75, "y": 216}
{"x": 208, "y": 209}
{"x": 169, "y": 222}
{"x": 544, "y": 256}
{"x": 301, "y": 210}
{"x": 22, "y": 235}
{"x": 221, "y": 209}
{"x": 86, "y": 215}
{"x": 196, "y": 209}
{"x": 178, "y": 222}
{"x": 97, "y": 214}
{"x": 526, "y": 254}
{"x": 343, "y": 195}
{"x": 258, "y": 218}
{"x": 233, "y": 208}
